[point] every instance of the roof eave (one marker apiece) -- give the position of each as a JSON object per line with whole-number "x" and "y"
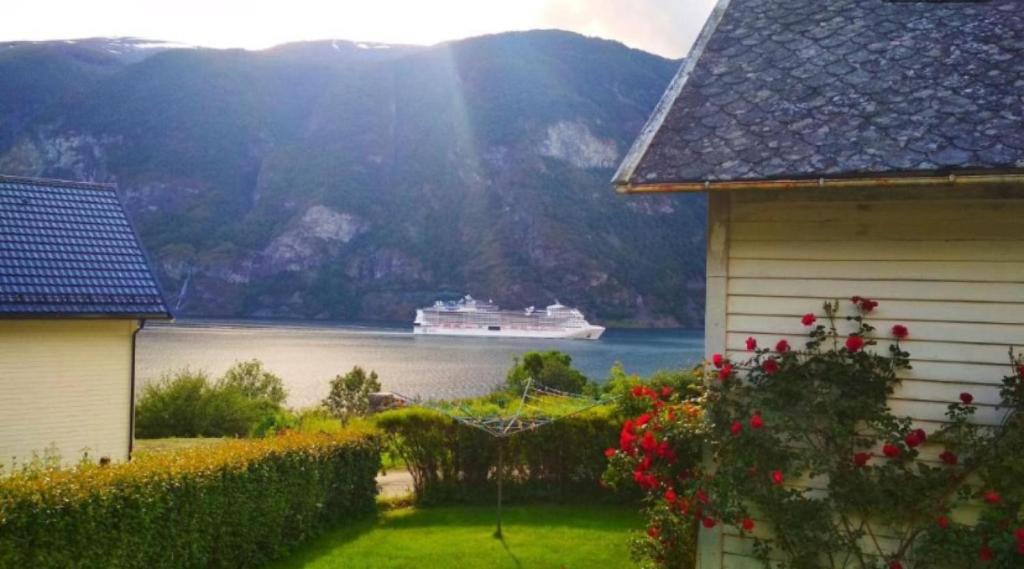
{"x": 87, "y": 316}
{"x": 962, "y": 179}
{"x": 627, "y": 168}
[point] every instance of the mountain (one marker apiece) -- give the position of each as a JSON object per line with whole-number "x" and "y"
{"x": 349, "y": 180}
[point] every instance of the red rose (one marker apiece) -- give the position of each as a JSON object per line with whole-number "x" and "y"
{"x": 701, "y": 496}
{"x": 900, "y": 332}
{"x": 751, "y": 343}
{"x": 891, "y": 450}
{"x": 854, "y": 344}
{"x": 725, "y": 372}
{"x": 808, "y": 319}
{"x": 861, "y": 458}
{"x": 966, "y": 398}
{"x": 985, "y": 553}
{"x": 943, "y": 522}
{"x": 756, "y": 422}
{"x": 1020, "y": 370}
{"x": 1019, "y": 534}
{"x": 670, "y": 496}
{"x": 992, "y": 497}
{"x": 666, "y": 391}
{"x": 717, "y": 360}
{"x": 777, "y": 477}
{"x": 645, "y": 480}
{"x": 948, "y": 457}
{"x": 895, "y": 565}
{"x": 708, "y": 522}
{"x": 610, "y": 452}
{"x": 736, "y": 428}
{"x": 915, "y": 438}
{"x": 867, "y": 305}
{"x": 770, "y": 366}
{"x": 653, "y": 532}
{"x": 643, "y": 419}
{"x": 782, "y": 347}
{"x": 856, "y": 299}
{"x": 648, "y": 443}
{"x": 747, "y": 524}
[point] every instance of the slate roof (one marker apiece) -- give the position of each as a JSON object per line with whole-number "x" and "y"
{"x": 67, "y": 249}
{"x": 792, "y": 89}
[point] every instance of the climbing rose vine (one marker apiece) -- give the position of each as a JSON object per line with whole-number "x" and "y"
{"x": 798, "y": 451}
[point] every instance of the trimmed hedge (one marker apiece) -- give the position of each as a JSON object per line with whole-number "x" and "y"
{"x": 240, "y": 504}
{"x": 563, "y": 461}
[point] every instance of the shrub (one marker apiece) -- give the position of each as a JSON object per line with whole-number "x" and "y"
{"x": 188, "y": 404}
{"x": 452, "y": 462}
{"x": 255, "y": 383}
{"x": 551, "y": 369}
{"x": 238, "y": 504}
{"x": 350, "y": 393}
{"x": 819, "y": 416}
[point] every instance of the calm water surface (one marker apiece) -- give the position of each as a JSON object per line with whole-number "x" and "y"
{"x": 306, "y": 356}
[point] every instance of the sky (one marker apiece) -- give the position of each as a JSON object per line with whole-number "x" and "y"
{"x": 665, "y": 27}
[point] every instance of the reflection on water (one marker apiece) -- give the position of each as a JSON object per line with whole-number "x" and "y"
{"x": 307, "y": 356}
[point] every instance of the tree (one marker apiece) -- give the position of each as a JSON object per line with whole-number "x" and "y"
{"x": 253, "y": 382}
{"x": 350, "y": 393}
{"x": 549, "y": 369}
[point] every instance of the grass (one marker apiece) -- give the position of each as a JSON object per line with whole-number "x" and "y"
{"x": 542, "y": 536}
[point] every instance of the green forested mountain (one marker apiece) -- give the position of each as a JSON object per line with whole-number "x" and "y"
{"x": 357, "y": 181}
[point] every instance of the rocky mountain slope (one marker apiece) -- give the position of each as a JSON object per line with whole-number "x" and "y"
{"x": 356, "y": 181}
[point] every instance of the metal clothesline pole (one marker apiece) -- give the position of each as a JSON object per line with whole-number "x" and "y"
{"x": 500, "y": 473}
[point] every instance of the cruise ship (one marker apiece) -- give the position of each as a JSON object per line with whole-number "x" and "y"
{"x": 471, "y": 317}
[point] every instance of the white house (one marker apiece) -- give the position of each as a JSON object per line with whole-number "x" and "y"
{"x": 855, "y": 147}
{"x": 75, "y": 288}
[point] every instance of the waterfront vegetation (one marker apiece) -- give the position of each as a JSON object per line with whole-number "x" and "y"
{"x": 236, "y": 479}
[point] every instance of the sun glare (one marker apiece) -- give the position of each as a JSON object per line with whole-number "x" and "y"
{"x": 666, "y": 27}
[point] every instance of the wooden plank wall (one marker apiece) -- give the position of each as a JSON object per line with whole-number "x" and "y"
{"x": 947, "y": 264}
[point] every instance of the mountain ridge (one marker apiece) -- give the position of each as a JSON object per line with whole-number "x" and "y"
{"x": 288, "y": 182}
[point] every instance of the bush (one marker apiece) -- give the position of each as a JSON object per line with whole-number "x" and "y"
{"x": 350, "y": 393}
{"x": 188, "y": 404}
{"x": 785, "y": 424}
{"x": 550, "y": 369}
{"x": 452, "y": 462}
{"x": 239, "y": 504}
{"x": 255, "y": 383}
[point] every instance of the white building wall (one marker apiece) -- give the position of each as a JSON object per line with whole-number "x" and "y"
{"x": 64, "y": 385}
{"x": 947, "y": 264}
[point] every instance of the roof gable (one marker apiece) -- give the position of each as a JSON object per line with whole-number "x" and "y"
{"x": 795, "y": 89}
{"x": 67, "y": 249}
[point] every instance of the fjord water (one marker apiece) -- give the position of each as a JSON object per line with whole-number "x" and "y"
{"x": 307, "y": 356}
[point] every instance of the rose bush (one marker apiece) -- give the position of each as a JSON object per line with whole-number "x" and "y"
{"x": 804, "y": 457}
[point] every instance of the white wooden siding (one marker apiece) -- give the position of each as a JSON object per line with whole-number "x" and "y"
{"x": 948, "y": 265}
{"x": 64, "y": 385}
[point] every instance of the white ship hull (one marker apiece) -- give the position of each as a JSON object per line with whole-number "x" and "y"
{"x": 468, "y": 317}
{"x": 589, "y": 333}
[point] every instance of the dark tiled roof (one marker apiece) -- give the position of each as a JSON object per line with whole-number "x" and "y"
{"x": 789, "y": 89}
{"x": 66, "y": 249}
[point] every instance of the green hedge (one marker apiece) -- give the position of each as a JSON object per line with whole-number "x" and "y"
{"x": 239, "y": 504}
{"x": 562, "y": 461}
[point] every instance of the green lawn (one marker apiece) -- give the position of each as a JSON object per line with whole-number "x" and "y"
{"x": 567, "y": 537}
